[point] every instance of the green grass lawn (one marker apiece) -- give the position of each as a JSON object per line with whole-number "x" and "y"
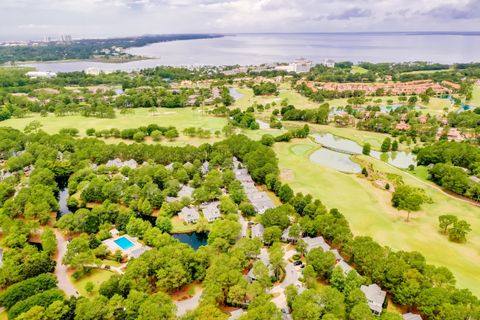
{"x": 97, "y": 276}
{"x": 369, "y": 211}
{"x": 358, "y": 69}
{"x": 179, "y": 226}
{"x": 286, "y": 92}
{"x": 179, "y": 118}
{"x": 420, "y": 172}
{"x": 476, "y": 96}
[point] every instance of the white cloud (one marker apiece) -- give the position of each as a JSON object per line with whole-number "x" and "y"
{"x": 34, "y": 18}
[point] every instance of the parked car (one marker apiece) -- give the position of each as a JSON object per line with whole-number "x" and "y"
{"x": 297, "y": 263}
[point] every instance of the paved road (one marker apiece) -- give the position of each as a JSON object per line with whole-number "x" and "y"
{"x": 189, "y": 304}
{"x": 292, "y": 275}
{"x": 60, "y": 269}
{"x": 244, "y": 223}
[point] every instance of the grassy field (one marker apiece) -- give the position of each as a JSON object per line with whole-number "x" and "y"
{"x": 97, "y": 276}
{"x": 423, "y": 71}
{"x": 369, "y": 211}
{"x": 358, "y": 69}
{"x": 286, "y": 92}
{"x": 476, "y": 96}
{"x": 179, "y": 118}
{"x": 179, "y": 226}
{"x": 361, "y": 137}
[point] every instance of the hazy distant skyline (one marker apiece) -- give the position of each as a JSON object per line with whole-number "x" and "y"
{"x": 35, "y": 19}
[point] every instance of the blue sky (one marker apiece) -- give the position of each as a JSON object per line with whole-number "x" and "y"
{"x": 34, "y": 19}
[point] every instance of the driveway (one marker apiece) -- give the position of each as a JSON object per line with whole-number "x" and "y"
{"x": 292, "y": 275}
{"x": 244, "y": 223}
{"x": 189, "y": 304}
{"x": 60, "y": 269}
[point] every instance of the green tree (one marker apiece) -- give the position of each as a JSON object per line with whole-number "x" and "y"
{"x": 394, "y": 145}
{"x": 164, "y": 224}
{"x": 459, "y": 230}
{"x": 366, "y": 149}
{"x": 361, "y": 312}
{"x": 386, "y": 144}
{"x": 49, "y": 241}
{"x": 89, "y": 286}
{"x": 408, "y": 198}
{"x": 272, "y": 234}
{"x": 321, "y": 261}
{"x": 445, "y": 221}
{"x": 262, "y": 274}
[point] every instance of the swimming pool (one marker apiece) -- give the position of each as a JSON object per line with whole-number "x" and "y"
{"x": 124, "y": 243}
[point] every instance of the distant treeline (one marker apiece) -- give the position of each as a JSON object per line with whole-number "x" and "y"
{"x": 87, "y": 48}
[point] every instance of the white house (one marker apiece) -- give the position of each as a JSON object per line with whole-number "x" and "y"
{"x": 257, "y": 231}
{"x": 329, "y": 63}
{"x": 189, "y": 215}
{"x": 211, "y": 212}
{"x": 375, "y": 297}
{"x": 317, "y": 242}
{"x": 411, "y": 316}
{"x": 40, "y": 74}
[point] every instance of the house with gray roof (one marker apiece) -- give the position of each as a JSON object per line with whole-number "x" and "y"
{"x": 317, "y": 242}
{"x": 185, "y": 191}
{"x": 375, "y": 297}
{"x": 411, "y": 316}
{"x": 337, "y": 255}
{"x": 132, "y": 164}
{"x": 235, "y": 314}
{"x": 265, "y": 259}
{"x": 189, "y": 214}
{"x": 346, "y": 268}
{"x": 211, "y": 212}
{"x": 205, "y": 168}
{"x": 286, "y": 237}
{"x": 257, "y": 231}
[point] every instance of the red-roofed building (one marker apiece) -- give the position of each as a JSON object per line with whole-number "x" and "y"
{"x": 403, "y": 126}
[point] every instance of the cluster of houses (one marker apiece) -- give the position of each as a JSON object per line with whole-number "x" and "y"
{"x": 319, "y": 242}
{"x": 191, "y": 214}
{"x": 393, "y": 88}
{"x": 300, "y": 65}
{"x": 132, "y": 164}
{"x": 259, "y": 199}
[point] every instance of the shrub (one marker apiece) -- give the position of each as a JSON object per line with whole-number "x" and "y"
{"x": 23, "y": 290}
{"x": 43, "y": 299}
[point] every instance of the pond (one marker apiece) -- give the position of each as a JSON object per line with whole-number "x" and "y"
{"x": 194, "y": 239}
{"x": 335, "y": 160}
{"x": 399, "y": 159}
{"x": 235, "y": 94}
{"x": 331, "y": 141}
{"x": 463, "y": 106}
{"x": 63, "y": 196}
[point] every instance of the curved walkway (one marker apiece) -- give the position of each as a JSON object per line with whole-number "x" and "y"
{"x": 64, "y": 282}
{"x": 186, "y": 305}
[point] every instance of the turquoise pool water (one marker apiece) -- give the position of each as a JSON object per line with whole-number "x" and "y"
{"x": 124, "y": 243}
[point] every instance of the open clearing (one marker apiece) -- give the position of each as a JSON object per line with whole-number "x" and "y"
{"x": 179, "y": 118}
{"x": 97, "y": 276}
{"x": 369, "y": 211}
{"x": 286, "y": 92}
